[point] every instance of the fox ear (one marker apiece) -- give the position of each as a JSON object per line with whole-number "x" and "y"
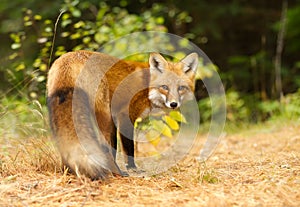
{"x": 190, "y": 63}
{"x": 157, "y": 63}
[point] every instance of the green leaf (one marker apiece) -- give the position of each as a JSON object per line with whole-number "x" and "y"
{"x": 59, "y": 53}
{"x": 102, "y": 11}
{"x": 48, "y": 21}
{"x": 43, "y": 67}
{"x": 66, "y": 22}
{"x": 41, "y": 78}
{"x": 15, "y": 46}
{"x": 100, "y": 38}
{"x": 65, "y": 34}
{"x": 37, "y": 17}
{"x": 65, "y": 16}
{"x": 86, "y": 40}
{"x": 185, "y": 43}
{"x": 13, "y": 56}
{"x": 160, "y": 20}
{"x": 79, "y": 24}
{"x": 37, "y": 63}
{"x": 75, "y": 36}
{"x": 21, "y": 66}
{"x": 76, "y": 13}
{"x": 28, "y": 23}
{"x": 26, "y": 18}
{"x": 179, "y": 55}
{"x": 48, "y": 29}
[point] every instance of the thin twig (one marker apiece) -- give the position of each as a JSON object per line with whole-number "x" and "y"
{"x": 54, "y": 35}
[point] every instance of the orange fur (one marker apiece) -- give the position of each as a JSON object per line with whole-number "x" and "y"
{"x": 91, "y": 95}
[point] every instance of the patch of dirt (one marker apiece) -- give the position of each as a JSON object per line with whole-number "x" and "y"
{"x": 256, "y": 168}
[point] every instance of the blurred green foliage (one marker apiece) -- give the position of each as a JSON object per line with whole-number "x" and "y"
{"x": 245, "y": 108}
{"x": 75, "y": 31}
{"x": 239, "y": 36}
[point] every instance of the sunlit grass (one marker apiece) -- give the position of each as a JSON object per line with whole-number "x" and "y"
{"x": 247, "y": 162}
{"x": 25, "y": 141}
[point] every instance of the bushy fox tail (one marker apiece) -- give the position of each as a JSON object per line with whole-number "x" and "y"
{"x": 84, "y": 150}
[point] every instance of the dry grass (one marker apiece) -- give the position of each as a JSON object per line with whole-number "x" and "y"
{"x": 254, "y": 168}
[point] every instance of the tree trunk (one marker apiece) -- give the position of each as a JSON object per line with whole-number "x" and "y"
{"x": 279, "y": 49}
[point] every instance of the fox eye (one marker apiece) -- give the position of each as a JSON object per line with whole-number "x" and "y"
{"x": 164, "y": 87}
{"x": 182, "y": 88}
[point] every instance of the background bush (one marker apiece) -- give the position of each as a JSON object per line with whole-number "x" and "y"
{"x": 239, "y": 36}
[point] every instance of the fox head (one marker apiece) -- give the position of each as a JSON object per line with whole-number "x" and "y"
{"x": 171, "y": 83}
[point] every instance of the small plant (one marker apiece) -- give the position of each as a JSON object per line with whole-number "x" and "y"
{"x": 206, "y": 175}
{"x": 160, "y": 125}
{"x": 210, "y": 177}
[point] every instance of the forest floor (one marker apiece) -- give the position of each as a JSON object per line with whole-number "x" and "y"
{"x": 255, "y": 167}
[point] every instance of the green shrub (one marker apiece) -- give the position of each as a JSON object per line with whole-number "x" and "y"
{"x": 243, "y": 108}
{"x": 82, "y": 25}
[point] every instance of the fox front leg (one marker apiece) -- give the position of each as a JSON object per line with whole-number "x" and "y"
{"x": 126, "y": 131}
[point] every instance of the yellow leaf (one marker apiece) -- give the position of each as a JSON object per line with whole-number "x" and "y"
{"x": 176, "y": 115}
{"x": 155, "y": 142}
{"x": 167, "y": 132}
{"x": 153, "y": 137}
{"x": 171, "y": 122}
{"x": 155, "y": 154}
{"x": 161, "y": 127}
{"x": 157, "y": 125}
{"x": 137, "y": 121}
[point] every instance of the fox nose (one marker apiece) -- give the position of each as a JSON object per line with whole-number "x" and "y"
{"x": 173, "y": 105}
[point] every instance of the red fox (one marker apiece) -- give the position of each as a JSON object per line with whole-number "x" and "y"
{"x": 86, "y": 129}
